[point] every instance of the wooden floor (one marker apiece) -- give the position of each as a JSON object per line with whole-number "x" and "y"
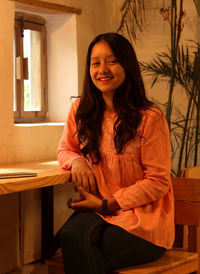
{"x": 36, "y": 268}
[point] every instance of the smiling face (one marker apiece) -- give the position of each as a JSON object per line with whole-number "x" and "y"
{"x": 105, "y": 71}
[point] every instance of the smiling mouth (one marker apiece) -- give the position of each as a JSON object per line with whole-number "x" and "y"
{"x": 104, "y": 79}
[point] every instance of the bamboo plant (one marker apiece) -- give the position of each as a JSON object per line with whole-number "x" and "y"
{"x": 180, "y": 65}
{"x": 184, "y": 129}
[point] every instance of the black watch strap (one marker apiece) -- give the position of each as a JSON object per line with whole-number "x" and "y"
{"x": 104, "y": 205}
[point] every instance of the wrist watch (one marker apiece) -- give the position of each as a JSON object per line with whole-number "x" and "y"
{"x": 104, "y": 205}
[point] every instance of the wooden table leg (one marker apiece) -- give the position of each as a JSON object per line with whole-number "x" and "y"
{"x": 47, "y": 222}
{"x": 49, "y": 241}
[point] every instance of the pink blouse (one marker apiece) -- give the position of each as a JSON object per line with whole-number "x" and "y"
{"x": 139, "y": 178}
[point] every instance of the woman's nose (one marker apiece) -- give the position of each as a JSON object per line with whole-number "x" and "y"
{"x": 103, "y": 68}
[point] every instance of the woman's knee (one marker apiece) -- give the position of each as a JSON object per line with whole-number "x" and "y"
{"x": 79, "y": 226}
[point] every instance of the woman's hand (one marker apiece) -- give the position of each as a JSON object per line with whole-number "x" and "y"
{"x": 87, "y": 202}
{"x": 82, "y": 175}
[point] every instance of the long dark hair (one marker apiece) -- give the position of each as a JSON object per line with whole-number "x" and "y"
{"x": 128, "y": 100}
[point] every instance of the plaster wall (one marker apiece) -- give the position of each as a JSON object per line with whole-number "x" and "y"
{"x": 9, "y": 221}
{"x": 62, "y": 64}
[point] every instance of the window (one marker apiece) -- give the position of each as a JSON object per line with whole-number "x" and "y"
{"x": 30, "y": 68}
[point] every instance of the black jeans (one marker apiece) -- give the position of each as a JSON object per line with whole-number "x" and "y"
{"x": 92, "y": 246}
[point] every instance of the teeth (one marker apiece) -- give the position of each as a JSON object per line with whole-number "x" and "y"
{"x": 105, "y": 78}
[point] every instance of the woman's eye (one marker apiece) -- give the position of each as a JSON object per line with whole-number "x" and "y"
{"x": 95, "y": 64}
{"x": 114, "y": 61}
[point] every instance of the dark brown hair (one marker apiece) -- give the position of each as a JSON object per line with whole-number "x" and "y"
{"x": 128, "y": 100}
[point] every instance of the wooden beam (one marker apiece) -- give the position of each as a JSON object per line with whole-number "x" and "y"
{"x": 44, "y": 7}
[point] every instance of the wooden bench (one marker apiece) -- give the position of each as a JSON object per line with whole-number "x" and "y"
{"x": 184, "y": 257}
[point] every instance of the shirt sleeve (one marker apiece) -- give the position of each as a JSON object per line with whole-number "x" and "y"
{"x": 68, "y": 148}
{"x": 156, "y": 163}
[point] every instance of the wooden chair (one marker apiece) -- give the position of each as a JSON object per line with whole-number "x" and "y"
{"x": 191, "y": 172}
{"x": 177, "y": 260}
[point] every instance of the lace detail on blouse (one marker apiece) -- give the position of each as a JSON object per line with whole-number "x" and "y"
{"x": 107, "y": 145}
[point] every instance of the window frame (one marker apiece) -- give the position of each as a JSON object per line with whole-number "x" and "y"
{"x": 33, "y": 22}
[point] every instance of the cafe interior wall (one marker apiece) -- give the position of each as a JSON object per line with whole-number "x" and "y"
{"x": 18, "y": 144}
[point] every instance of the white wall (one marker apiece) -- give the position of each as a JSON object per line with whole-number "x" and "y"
{"x": 62, "y": 65}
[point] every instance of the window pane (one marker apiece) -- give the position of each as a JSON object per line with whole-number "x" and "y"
{"x": 32, "y": 87}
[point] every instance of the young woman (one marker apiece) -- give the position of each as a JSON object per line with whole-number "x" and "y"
{"x": 116, "y": 144}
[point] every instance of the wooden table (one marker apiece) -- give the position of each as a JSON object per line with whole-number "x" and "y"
{"x": 49, "y": 174}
